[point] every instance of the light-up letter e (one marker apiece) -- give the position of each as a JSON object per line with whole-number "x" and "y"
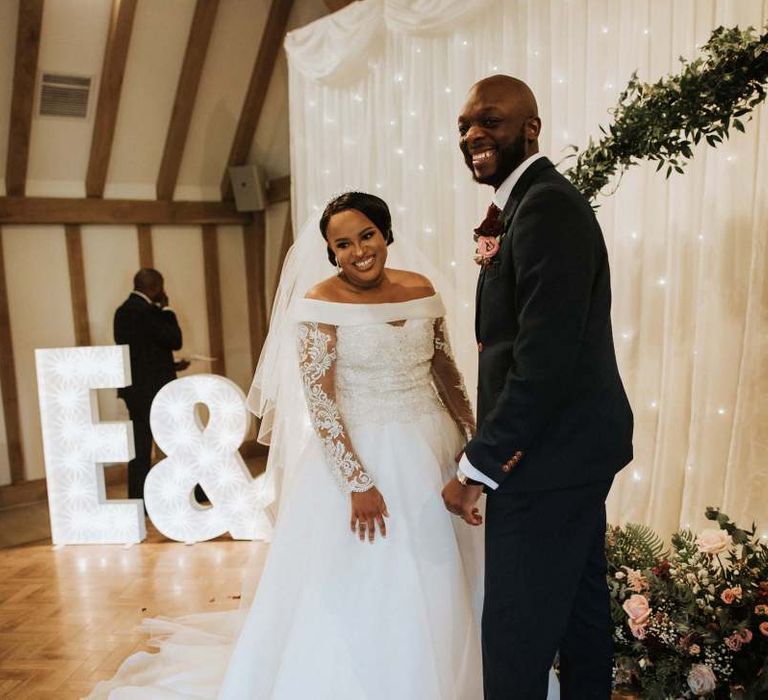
{"x": 76, "y": 445}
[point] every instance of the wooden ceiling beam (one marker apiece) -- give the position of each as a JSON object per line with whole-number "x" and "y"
{"x": 336, "y": 5}
{"x": 113, "y": 71}
{"x": 77, "y": 287}
{"x": 28, "y": 30}
{"x": 62, "y": 210}
{"x": 271, "y": 41}
{"x": 186, "y": 93}
{"x": 254, "y": 246}
{"x": 213, "y": 299}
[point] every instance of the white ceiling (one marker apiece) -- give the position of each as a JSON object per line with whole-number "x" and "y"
{"x": 73, "y": 39}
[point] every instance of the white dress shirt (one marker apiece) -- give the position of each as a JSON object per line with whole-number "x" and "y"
{"x": 500, "y": 198}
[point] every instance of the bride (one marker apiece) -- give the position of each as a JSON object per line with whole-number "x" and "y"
{"x": 365, "y": 594}
{"x": 371, "y": 588}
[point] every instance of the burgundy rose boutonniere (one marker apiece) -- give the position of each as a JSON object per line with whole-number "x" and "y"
{"x": 488, "y": 236}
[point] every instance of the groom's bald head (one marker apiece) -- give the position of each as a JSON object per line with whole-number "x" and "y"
{"x": 499, "y": 127}
{"x": 505, "y": 87}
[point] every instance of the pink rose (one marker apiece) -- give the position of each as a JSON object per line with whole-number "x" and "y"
{"x": 728, "y": 596}
{"x": 761, "y": 610}
{"x": 638, "y": 610}
{"x": 745, "y": 635}
{"x": 764, "y": 629}
{"x": 487, "y": 247}
{"x": 733, "y": 642}
{"x": 701, "y": 679}
{"x": 713, "y": 541}
{"x": 694, "y": 650}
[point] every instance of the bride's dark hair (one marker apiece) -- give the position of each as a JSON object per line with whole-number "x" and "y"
{"x": 375, "y": 208}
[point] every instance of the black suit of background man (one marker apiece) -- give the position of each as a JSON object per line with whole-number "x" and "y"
{"x": 150, "y": 329}
{"x": 554, "y": 422}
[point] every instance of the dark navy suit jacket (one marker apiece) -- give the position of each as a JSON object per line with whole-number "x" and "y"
{"x": 552, "y": 410}
{"x": 152, "y": 335}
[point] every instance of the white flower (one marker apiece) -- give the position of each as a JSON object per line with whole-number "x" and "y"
{"x": 713, "y": 541}
{"x": 701, "y": 679}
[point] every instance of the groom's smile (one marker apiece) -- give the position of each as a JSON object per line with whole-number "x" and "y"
{"x": 483, "y": 156}
{"x": 483, "y": 162}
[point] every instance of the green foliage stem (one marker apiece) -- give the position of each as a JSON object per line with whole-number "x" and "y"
{"x": 663, "y": 121}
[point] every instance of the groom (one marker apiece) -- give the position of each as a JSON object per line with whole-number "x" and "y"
{"x": 554, "y": 423}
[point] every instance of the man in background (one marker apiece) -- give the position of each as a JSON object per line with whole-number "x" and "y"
{"x": 147, "y": 325}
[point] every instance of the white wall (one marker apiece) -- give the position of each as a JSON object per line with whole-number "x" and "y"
{"x": 158, "y": 42}
{"x": 74, "y": 35}
{"x": 5, "y": 465}
{"x": 234, "y": 303}
{"x": 179, "y": 257}
{"x": 110, "y": 259}
{"x": 41, "y": 317}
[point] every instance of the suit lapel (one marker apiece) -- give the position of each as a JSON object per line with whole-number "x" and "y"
{"x": 507, "y": 215}
{"x": 521, "y": 187}
{"x": 478, "y": 293}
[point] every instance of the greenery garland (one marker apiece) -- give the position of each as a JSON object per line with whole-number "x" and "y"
{"x": 662, "y": 122}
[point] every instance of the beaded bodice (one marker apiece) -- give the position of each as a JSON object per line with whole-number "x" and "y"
{"x": 383, "y": 372}
{"x": 373, "y": 364}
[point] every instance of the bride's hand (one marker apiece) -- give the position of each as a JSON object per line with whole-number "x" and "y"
{"x": 368, "y": 509}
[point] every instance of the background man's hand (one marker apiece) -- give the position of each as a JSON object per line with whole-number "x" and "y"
{"x": 161, "y": 299}
{"x": 461, "y": 500}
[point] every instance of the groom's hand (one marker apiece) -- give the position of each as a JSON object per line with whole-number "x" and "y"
{"x": 461, "y": 500}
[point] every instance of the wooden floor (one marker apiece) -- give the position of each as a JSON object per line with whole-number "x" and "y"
{"x": 69, "y": 615}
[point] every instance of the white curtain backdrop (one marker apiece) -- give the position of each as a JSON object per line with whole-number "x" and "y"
{"x": 375, "y": 90}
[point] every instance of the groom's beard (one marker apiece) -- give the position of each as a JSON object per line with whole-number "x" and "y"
{"x": 508, "y": 158}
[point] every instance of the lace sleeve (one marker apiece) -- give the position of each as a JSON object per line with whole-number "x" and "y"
{"x": 317, "y": 360}
{"x": 450, "y": 384}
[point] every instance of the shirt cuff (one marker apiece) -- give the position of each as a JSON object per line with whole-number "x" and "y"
{"x": 466, "y": 468}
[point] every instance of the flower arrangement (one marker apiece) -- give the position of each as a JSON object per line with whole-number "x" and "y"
{"x": 690, "y": 621}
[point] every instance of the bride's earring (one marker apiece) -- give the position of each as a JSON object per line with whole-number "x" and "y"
{"x": 338, "y": 268}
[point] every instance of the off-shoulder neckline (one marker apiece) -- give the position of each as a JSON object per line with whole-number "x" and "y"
{"x": 341, "y": 313}
{"x": 380, "y": 304}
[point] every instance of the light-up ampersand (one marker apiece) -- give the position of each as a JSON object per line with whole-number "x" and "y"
{"x": 76, "y": 446}
{"x": 206, "y": 455}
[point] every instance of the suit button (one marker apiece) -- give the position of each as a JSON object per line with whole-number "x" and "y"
{"x": 479, "y": 347}
{"x": 505, "y": 467}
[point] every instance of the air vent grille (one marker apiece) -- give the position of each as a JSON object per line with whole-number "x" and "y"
{"x": 64, "y": 95}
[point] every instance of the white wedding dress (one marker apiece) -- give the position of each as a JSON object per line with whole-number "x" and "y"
{"x": 334, "y": 618}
